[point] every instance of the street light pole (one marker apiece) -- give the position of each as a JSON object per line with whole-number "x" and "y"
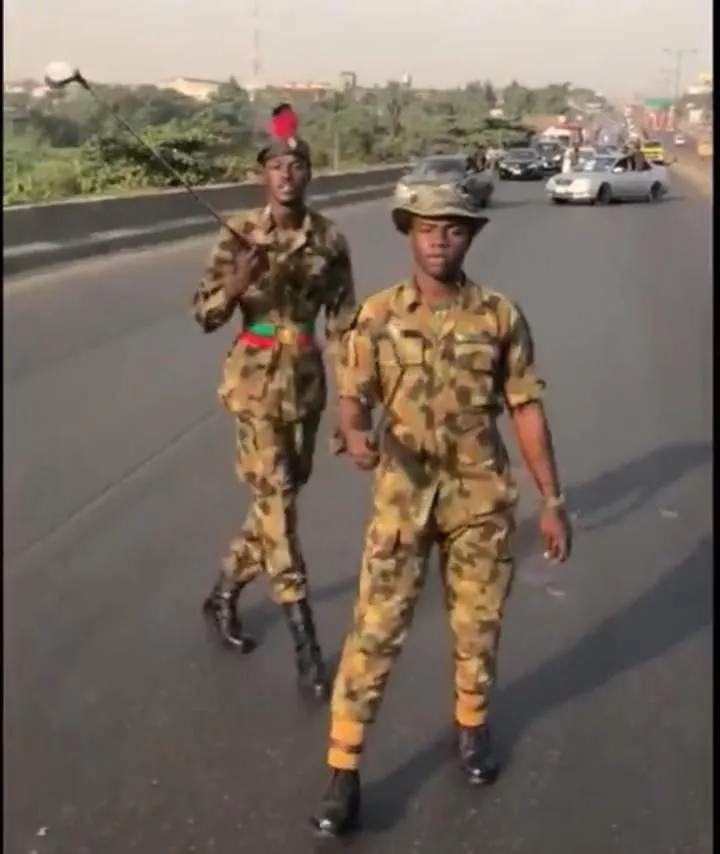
{"x": 255, "y": 51}
{"x": 678, "y": 54}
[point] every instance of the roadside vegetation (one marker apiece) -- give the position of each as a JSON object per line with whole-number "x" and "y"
{"x": 64, "y": 145}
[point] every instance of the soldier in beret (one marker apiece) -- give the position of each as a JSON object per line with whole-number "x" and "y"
{"x": 292, "y": 265}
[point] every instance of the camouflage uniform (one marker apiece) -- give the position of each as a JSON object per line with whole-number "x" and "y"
{"x": 443, "y": 478}
{"x": 274, "y": 385}
{"x": 459, "y": 368}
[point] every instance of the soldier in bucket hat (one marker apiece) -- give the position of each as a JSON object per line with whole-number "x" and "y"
{"x": 294, "y": 266}
{"x": 443, "y": 357}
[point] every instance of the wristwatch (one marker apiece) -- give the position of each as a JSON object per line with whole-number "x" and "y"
{"x": 553, "y": 502}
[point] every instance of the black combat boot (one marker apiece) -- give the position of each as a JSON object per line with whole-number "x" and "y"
{"x": 477, "y": 759}
{"x": 221, "y": 608}
{"x": 308, "y": 657}
{"x": 339, "y": 811}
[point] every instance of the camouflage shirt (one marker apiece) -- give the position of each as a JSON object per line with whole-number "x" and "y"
{"x": 445, "y": 378}
{"x": 308, "y": 271}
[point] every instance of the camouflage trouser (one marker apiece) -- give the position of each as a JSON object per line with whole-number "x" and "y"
{"x": 275, "y": 461}
{"x": 477, "y": 570}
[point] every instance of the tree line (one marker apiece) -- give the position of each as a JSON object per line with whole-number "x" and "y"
{"x": 64, "y": 144}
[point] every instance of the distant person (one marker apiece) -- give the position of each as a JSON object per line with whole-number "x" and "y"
{"x": 636, "y": 159}
{"x": 571, "y": 158}
{"x": 481, "y": 158}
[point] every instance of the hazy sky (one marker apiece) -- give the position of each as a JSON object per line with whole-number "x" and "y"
{"x": 612, "y": 45}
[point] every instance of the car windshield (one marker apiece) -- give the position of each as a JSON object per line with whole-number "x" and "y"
{"x": 652, "y": 143}
{"x": 599, "y": 164}
{"x": 437, "y": 166}
{"x": 523, "y": 155}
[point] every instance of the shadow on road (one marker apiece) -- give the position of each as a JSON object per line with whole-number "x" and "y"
{"x": 674, "y": 609}
{"x": 635, "y": 483}
{"x": 630, "y": 486}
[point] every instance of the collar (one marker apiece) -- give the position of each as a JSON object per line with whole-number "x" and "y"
{"x": 268, "y": 229}
{"x": 469, "y": 295}
{"x": 268, "y": 224}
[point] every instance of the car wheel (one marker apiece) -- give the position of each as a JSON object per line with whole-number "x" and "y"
{"x": 604, "y": 196}
{"x": 559, "y": 201}
{"x": 655, "y": 193}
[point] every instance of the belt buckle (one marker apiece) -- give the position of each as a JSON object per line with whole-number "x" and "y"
{"x": 286, "y": 335}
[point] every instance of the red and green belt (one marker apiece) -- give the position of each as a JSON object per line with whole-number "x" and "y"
{"x": 267, "y": 335}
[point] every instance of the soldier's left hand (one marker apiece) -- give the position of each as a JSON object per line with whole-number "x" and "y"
{"x": 556, "y": 531}
{"x": 360, "y": 449}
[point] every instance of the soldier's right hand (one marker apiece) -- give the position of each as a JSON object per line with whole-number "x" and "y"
{"x": 556, "y": 530}
{"x": 249, "y": 263}
{"x": 360, "y": 449}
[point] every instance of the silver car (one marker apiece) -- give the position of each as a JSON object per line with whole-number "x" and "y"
{"x": 608, "y": 179}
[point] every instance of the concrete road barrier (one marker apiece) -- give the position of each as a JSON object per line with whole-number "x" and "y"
{"x": 40, "y": 235}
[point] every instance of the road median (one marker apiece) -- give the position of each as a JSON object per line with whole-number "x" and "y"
{"x": 38, "y": 236}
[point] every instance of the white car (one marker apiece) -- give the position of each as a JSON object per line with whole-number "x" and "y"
{"x": 609, "y": 179}
{"x": 584, "y": 154}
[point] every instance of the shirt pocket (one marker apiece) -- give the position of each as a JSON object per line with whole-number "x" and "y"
{"x": 476, "y": 360}
{"x": 401, "y": 347}
{"x": 402, "y": 359}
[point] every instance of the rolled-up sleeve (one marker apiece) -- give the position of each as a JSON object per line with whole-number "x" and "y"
{"x": 357, "y": 367}
{"x": 522, "y": 384}
{"x": 211, "y": 306}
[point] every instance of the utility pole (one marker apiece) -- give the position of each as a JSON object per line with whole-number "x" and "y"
{"x": 256, "y": 64}
{"x": 678, "y": 55}
{"x": 337, "y": 102}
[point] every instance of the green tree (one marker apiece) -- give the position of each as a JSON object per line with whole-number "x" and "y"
{"x": 66, "y": 143}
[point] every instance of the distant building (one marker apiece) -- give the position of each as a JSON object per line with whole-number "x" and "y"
{"x": 348, "y": 81}
{"x": 697, "y": 116}
{"x": 703, "y": 85}
{"x": 25, "y": 87}
{"x": 304, "y": 86}
{"x": 406, "y": 81}
{"x": 193, "y": 87}
{"x": 546, "y": 123}
{"x": 312, "y": 90}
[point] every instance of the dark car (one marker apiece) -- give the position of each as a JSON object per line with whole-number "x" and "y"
{"x": 551, "y": 155}
{"x": 521, "y": 164}
{"x": 454, "y": 167}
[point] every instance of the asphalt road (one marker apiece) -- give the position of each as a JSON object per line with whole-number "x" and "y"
{"x": 127, "y": 730}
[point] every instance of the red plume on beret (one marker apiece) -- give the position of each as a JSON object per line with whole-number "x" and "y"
{"x": 284, "y": 123}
